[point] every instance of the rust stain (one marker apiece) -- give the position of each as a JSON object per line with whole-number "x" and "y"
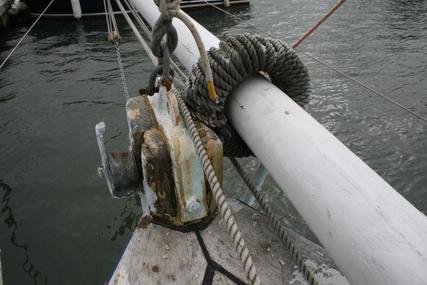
{"x": 144, "y": 222}
{"x": 155, "y": 268}
{"x": 179, "y": 193}
{"x": 134, "y": 114}
{"x": 202, "y": 133}
{"x": 188, "y": 170}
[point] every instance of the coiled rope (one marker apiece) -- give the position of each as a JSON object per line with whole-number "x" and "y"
{"x": 237, "y": 59}
{"x": 281, "y": 231}
{"x": 325, "y": 64}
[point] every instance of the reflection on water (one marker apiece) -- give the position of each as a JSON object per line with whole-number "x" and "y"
{"x": 61, "y": 225}
{"x": 12, "y": 224}
{"x": 127, "y": 220}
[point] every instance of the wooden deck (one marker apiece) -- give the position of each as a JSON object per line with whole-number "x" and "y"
{"x": 158, "y": 255}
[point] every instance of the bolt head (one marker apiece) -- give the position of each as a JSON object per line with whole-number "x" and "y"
{"x": 101, "y": 172}
{"x": 194, "y": 207}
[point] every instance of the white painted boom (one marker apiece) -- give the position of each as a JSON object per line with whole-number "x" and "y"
{"x": 373, "y": 234}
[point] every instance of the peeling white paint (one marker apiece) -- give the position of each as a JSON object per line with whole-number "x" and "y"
{"x": 323, "y": 273}
{"x": 122, "y": 278}
{"x": 372, "y": 233}
{"x": 148, "y": 198}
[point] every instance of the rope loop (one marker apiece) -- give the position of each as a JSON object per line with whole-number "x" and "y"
{"x": 163, "y": 28}
{"x": 164, "y": 41}
{"x": 238, "y": 58}
{"x": 168, "y": 7}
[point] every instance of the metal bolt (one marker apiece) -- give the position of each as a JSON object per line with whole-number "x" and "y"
{"x": 194, "y": 207}
{"x": 101, "y": 172}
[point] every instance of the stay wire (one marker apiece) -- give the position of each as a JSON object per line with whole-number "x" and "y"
{"x": 355, "y": 81}
{"x": 25, "y": 35}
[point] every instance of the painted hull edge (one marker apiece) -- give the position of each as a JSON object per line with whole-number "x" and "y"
{"x": 62, "y": 8}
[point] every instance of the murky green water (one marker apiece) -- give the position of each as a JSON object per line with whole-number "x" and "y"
{"x": 58, "y": 224}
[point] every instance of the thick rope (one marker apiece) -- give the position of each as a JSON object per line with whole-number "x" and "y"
{"x": 224, "y": 208}
{"x": 113, "y": 31}
{"x": 182, "y": 76}
{"x": 237, "y": 59}
{"x": 281, "y": 231}
{"x": 328, "y": 66}
{"x": 25, "y": 35}
{"x": 204, "y": 62}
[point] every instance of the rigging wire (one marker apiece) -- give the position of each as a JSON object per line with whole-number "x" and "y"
{"x": 25, "y": 35}
{"x": 357, "y": 82}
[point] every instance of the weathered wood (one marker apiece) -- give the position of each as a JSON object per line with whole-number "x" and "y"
{"x": 220, "y": 279}
{"x": 272, "y": 260}
{"x": 157, "y": 255}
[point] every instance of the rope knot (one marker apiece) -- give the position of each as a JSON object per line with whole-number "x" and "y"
{"x": 168, "y": 8}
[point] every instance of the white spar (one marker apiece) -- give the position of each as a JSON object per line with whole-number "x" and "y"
{"x": 77, "y": 9}
{"x": 373, "y": 234}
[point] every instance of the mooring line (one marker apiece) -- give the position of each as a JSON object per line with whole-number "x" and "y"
{"x": 25, "y": 35}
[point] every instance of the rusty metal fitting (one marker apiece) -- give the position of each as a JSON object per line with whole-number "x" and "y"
{"x": 167, "y": 83}
{"x": 114, "y": 36}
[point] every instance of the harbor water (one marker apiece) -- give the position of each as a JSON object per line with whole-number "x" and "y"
{"x": 58, "y": 222}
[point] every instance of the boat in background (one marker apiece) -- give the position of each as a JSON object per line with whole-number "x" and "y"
{"x": 64, "y": 8}
{"x": 10, "y": 9}
{"x": 4, "y": 7}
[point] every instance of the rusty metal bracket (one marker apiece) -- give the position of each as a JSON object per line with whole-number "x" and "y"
{"x": 119, "y": 169}
{"x": 161, "y": 164}
{"x": 191, "y": 192}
